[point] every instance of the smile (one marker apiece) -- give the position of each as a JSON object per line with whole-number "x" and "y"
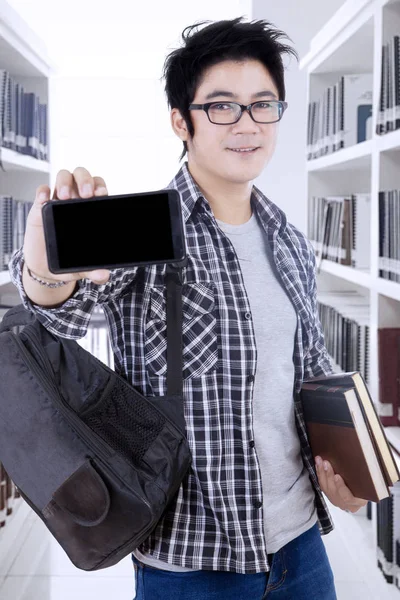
{"x": 244, "y": 150}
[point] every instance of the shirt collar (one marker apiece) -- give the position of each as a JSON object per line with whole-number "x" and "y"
{"x": 191, "y": 195}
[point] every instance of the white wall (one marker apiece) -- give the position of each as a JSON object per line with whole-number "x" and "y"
{"x": 284, "y": 178}
{"x": 109, "y": 112}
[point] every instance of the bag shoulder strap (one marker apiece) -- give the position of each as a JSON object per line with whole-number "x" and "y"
{"x": 19, "y": 316}
{"x": 16, "y": 317}
{"x": 174, "y": 281}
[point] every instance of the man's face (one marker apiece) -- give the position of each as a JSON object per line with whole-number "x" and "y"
{"x": 211, "y": 146}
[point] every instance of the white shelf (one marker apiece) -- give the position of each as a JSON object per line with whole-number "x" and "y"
{"x": 14, "y": 161}
{"x": 22, "y": 52}
{"x": 389, "y": 141}
{"x": 348, "y": 273}
{"x": 355, "y": 157}
{"x": 388, "y": 288}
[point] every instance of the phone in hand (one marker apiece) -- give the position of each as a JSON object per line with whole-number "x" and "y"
{"x": 108, "y": 232}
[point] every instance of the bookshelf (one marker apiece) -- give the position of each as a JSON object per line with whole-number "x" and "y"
{"x": 351, "y": 42}
{"x": 24, "y": 56}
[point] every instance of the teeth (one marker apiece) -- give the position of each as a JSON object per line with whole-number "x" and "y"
{"x": 243, "y": 150}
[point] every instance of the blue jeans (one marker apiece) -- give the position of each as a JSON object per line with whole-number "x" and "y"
{"x": 300, "y": 571}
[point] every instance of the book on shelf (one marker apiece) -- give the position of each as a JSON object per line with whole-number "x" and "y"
{"x": 23, "y": 119}
{"x": 389, "y": 232}
{"x": 389, "y": 375}
{"x": 339, "y": 229}
{"x": 389, "y": 99}
{"x": 384, "y": 529}
{"x": 13, "y": 216}
{"x": 343, "y": 427}
{"x": 344, "y": 318}
{"x": 342, "y": 115}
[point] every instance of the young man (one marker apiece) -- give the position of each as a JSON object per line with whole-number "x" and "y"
{"x": 248, "y": 518}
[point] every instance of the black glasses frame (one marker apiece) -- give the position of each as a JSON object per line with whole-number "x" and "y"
{"x": 281, "y": 103}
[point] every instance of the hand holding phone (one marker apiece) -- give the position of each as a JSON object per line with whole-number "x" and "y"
{"x": 79, "y": 184}
{"x": 123, "y": 231}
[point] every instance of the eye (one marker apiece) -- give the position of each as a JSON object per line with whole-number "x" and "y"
{"x": 264, "y": 104}
{"x": 221, "y": 107}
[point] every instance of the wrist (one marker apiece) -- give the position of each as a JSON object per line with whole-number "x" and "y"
{"x": 43, "y": 280}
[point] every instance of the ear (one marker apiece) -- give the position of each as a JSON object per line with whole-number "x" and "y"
{"x": 179, "y": 125}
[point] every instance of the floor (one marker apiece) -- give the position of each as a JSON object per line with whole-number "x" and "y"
{"x": 42, "y": 571}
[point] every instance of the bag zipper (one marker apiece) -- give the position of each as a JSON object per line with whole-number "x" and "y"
{"x": 73, "y": 420}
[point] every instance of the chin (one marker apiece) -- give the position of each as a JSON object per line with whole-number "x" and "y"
{"x": 245, "y": 172}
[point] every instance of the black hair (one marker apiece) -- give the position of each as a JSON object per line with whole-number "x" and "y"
{"x": 220, "y": 41}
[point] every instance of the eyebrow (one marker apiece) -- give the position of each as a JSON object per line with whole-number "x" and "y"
{"x": 217, "y": 93}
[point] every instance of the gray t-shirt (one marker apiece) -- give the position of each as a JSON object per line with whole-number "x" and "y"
{"x": 288, "y": 495}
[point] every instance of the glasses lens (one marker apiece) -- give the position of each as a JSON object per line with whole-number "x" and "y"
{"x": 223, "y": 112}
{"x": 265, "y": 112}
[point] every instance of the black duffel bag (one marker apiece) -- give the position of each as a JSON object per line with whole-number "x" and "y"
{"x": 94, "y": 458}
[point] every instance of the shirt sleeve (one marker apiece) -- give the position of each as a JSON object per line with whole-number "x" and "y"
{"x": 71, "y": 319}
{"x": 317, "y": 360}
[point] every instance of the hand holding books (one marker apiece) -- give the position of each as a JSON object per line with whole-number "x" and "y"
{"x": 344, "y": 429}
{"x": 334, "y": 487}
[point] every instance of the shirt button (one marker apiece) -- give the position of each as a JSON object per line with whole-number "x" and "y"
{"x": 257, "y": 504}
{"x": 250, "y": 379}
{"x": 252, "y": 444}
{"x": 247, "y": 315}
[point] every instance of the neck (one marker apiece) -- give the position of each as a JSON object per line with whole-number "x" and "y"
{"x": 229, "y": 201}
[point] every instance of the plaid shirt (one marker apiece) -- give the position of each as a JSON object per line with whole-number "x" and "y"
{"x": 216, "y": 521}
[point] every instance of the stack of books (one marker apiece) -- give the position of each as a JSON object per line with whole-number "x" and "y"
{"x": 341, "y": 117}
{"x": 345, "y": 319}
{"x": 339, "y": 229}
{"x": 13, "y": 216}
{"x": 389, "y": 235}
{"x": 23, "y": 119}
{"x": 343, "y": 428}
{"x": 389, "y": 100}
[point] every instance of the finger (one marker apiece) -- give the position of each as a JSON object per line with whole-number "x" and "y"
{"x": 330, "y": 481}
{"x": 63, "y": 186}
{"x": 84, "y": 182}
{"x": 344, "y": 492}
{"x": 100, "y": 188}
{"x": 42, "y": 195}
{"x": 321, "y": 476}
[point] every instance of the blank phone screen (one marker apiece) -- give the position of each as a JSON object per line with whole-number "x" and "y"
{"x": 113, "y": 231}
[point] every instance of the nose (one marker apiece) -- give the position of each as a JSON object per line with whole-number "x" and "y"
{"x": 246, "y": 122}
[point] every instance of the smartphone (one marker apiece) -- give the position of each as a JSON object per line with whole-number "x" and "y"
{"x": 108, "y": 232}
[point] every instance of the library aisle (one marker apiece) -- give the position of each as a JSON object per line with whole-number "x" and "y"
{"x": 42, "y": 570}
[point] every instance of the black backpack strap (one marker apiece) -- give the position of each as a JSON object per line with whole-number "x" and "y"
{"x": 16, "y": 317}
{"x": 174, "y": 281}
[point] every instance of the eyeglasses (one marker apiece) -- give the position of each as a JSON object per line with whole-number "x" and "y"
{"x": 227, "y": 113}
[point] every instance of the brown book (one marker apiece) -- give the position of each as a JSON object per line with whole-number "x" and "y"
{"x": 389, "y": 374}
{"x": 343, "y": 428}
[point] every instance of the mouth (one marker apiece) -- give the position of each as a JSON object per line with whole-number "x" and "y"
{"x": 244, "y": 150}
